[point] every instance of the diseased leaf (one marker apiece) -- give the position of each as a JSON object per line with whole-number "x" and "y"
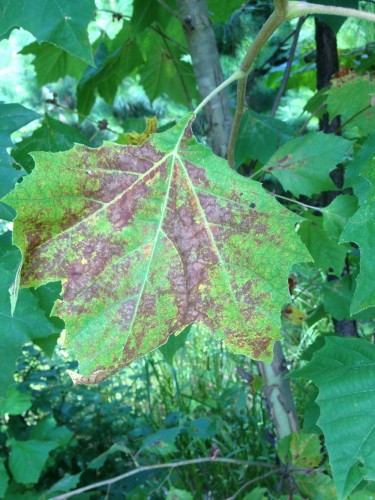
{"x": 300, "y": 450}
{"x": 150, "y": 239}
{"x": 344, "y": 371}
{"x": 361, "y": 230}
{"x": 303, "y": 164}
{"x": 52, "y": 63}
{"x": 51, "y": 136}
{"x": 12, "y": 117}
{"x": 60, "y": 22}
{"x": 259, "y": 137}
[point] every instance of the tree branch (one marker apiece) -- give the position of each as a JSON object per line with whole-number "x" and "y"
{"x": 168, "y": 465}
{"x": 298, "y": 9}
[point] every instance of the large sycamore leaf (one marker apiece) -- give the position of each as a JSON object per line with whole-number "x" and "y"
{"x": 149, "y": 239}
{"x": 344, "y": 372}
{"x": 60, "y": 22}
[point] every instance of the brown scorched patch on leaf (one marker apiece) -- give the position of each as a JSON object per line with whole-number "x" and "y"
{"x": 147, "y": 240}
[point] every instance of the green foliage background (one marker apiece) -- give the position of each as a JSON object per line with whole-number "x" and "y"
{"x": 125, "y": 61}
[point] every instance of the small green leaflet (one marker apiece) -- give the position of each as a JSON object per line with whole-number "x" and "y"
{"x": 12, "y": 117}
{"x": 60, "y": 22}
{"x": 344, "y": 372}
{"x": 303, "y": 164}
{"x": 149, "y": 239}
{"x": 361, "y": 230}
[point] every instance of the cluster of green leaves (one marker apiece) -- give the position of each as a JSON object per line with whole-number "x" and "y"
{"x": 147, "y": 240}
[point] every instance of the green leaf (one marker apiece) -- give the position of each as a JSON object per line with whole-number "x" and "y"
{"x": 175, "y": 342}
{"x": 98, "y": 462}
{"x": 12, "y": 117}
{"x": 113, "y": 63}
{"x": 154, "y": 238}
{"x": 204, "y": 428}
{"x": 316, "y": 486}
{"x": 337, "y": 214}
{"x": 151, "y": 12}
{"x": 326, "y": 251}
{"x": 221, "y": 11}
{"x": 28, "y": 321}
{"x": 51, "y": 136}
{"x": 52, "y": 63}
{"x": 4, "y": 478}
{"x": 27, "y": 459}
{"x": 338, "y": 297}
{"x": 165, "y": 73}
{"x": 353, "y": 178}
{"x": 15, "y": 402}
{"x": 303, "y": 164}
{"x": 361, "y": 230}
{"x": 60, "y": 22}
{"x": 259, "y": 137}
{"x": 176, "y": 494}
{"x": 344, "y": 372}
{"x": 47, "y": 430}
{"x": 65, "y": 484}
{"x": 300, "y": 450}
{"x": 356, "y": 92}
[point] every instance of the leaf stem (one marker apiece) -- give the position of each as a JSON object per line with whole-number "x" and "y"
{"x": 304, "y": 205}
{"x": 269, "y": 27}
{"x": 298, "y": 9}
{"x": 235, "y": 76}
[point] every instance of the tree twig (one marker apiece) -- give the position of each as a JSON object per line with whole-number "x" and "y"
{"x": 250, "y": 483}
{"x": 288, "y": 68}
{"x": 169, "y": 465}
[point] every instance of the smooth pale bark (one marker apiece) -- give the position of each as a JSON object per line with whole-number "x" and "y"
{"x": 205, "y": 58}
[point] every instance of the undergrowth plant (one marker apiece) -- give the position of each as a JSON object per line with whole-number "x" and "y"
{"x": 122, "y": 246}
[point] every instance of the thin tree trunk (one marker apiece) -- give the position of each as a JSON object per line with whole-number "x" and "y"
{"x": 327, "y": 64}
{"x": 278, "y": 394}
{"x": 205, "y": 57}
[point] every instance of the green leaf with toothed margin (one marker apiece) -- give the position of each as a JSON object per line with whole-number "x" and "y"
{"x": 344, "y": 372}
{"x": 60, "y": 22}
{"x": 149, "y": 239}
{"x": 361, "y": 230}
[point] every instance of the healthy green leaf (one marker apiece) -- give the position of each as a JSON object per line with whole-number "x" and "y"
{"x": 120, "y": 213}
{"x": 60, "y": 22}
{"x": 175, "y": 342}
{"x": 353, "y": 178}
{"x": 15, "y": 402}
{"x": 259, "y": 137}
{"x": 149, "y": 12}
{"x": 27, "y": 459}
{"x": 221, "y": 11}
{"x": 165, "y": 73}
{"x": 28, "y": 322}
{"x": 357, "y": 92}
{"x": 326, "y": 251}
{"x": 65, "y": 484}
{"x": 98, "y": 462}
{"x": 4, "y": 478}
{"x": 344, "y": 372}
{"x": 303, "y": 164}
{"x": 361, "y": 230}
{"x": 12, "y": 117}
{"x": 52, "y": 63}
{"x": 114, "y": 61}
{"x": 51, "y": 136}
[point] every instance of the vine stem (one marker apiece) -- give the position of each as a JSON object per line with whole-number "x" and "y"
{"x": 168, "y": 465}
